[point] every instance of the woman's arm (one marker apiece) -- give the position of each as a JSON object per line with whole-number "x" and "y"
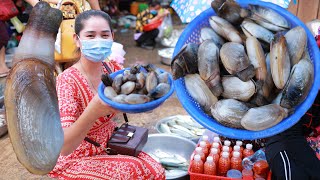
{"x": 75, "y": 134}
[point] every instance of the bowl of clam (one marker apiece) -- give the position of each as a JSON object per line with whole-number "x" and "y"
{"x": 137, "y": 89}
{"x": 246, "y": 69}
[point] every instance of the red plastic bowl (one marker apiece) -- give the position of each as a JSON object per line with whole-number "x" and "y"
{"x": 152, "y": 26}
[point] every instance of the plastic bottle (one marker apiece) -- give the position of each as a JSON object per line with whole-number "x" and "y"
{"x": 234, "y": 174}
{"x": 228, "y": 143}
{"x": 236, "y": 161}
{"x": 261, "y": 169}
{"x": 200, "y": 152}
{"x": 205, "y": 150}
{"x": 248, "y": 151}
{"x": 224, "y": 164}
{"x": 216, "y": 145}
{"x": 217, "y": 140}
{"x": 210, "y": 166}
{"x": 197, "y": 164}
{"x": 247, "y": 174}
{"x": 214, "y": 154}
{"x": 239, "y": 143}
{"x": 205, "y": 138}
{"x": 248, "y": 162}
{"x": 225, "y": 149}
{"x": 237, "y": 149}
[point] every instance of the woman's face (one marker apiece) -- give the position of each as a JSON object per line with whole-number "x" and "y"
{"x": 94, "y": 28}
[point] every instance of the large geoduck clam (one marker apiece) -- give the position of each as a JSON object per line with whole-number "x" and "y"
{"x": 225, "y": 29}
{"x": 250, "y": 28}
{"x": 236, "y": 61}
{"x": 32, "y": 111}
{"x": 186, "y": 61}
{"x": 296, "y": 40}
{"x": 279, "y": 61}
{"x": 299, "y": 84}
{"x": 268, "y": 18}
{"x": 208, "y": 64}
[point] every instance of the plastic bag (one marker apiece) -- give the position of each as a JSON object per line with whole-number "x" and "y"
{"x": 166, "y": 27}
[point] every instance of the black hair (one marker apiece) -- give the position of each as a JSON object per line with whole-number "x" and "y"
{"x": 154, "y": 3}
{"x": 78, "y": 25}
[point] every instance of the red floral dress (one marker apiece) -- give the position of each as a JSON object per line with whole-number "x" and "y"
{"x": 89, "y": 161}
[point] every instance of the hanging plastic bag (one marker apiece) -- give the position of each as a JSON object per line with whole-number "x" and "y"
{"x": 166, "y": 27}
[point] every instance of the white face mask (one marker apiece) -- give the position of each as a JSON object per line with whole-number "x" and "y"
{"x": 96, "y": 50}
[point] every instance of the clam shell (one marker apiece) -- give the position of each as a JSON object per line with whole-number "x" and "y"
{"x": 224, "y": 29}
{"x": 128, "y": 87}
{"x": 263, "y": 117}
{"x": 186, "y": 61}
{"x": 228, "y": 10}
{"x": 109, "y": 92}
{"x": 262, "y": 22}
{"x": 151, "y": 81}
{"x": 208, "y": 64}
{"x": 160, "y": 90}
{"x": 199, "y": 91}
{"x": 252, "y": 29}
{"x": 279, "y": 61}
{"x": 234, "y": 88}
{"x": 299, "y": 84}
{"x": 120, "y": 98}
{"x": 136, "y": 99}
{"x": 296, "y": 40}
{"x": 234, "y": 57}
{"x": 256, "y": 57}
{"x": 270, "y": 16}
{"x": 208, "y": 33}
{"x": 229, "y": 112}
{"x": 117, "y": 83}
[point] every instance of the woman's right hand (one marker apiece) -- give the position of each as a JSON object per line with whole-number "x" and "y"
{"x": 98, "y": 108}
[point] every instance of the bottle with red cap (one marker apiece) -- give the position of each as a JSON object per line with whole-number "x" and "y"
{"x": 248, "y": 151}
{"x": 236, "y": 161}
{"x": 224, "y": 164}
{"x": 197, "y": 164}
{"x": 210, "y": 166}
{"x": 200, "y": 152}
{"x": 215, "y": 155}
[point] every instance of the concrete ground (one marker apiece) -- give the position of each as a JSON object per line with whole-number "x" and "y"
{"x": 10, "y": 168}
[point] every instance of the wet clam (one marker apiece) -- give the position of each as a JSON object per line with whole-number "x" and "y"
{"x": 252, "y": 29}
{"x": 229, "y": 112}
{"x": 136, "y": 99}
{"x": 269, "y": 18}
{"x": 186, "y": 61}
{"x": 296, "y": 40}
{"x": 208, "y": 64}
{"x": 32, "y": 111}
{"x": 208, "y": 33}
{"x": 199, "y": 91}
{"x": 236, "y": 61}
{"x": 229, "y": 10}
{"x": 234, "y": 88}
{"x": 279, "y": 61}
{"x": 299, "y": 84}
{"x": 263, "y": 117}
{"x": 225, "y": 29}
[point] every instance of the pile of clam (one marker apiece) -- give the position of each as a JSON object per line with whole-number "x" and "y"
{"x": 137, "y": 85}
{"x": 250, "y": 70}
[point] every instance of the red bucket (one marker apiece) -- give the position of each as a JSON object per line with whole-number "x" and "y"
{"x": 152, "y": 26}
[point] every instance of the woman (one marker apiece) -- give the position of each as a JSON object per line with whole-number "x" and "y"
{"x": 83, "y": 114}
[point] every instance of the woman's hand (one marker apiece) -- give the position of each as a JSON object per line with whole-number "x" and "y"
{"x": 98, "y": 108}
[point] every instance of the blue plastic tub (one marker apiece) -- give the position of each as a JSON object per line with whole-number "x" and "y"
{"x": 134, "y": 108}
{"x": 191, "y": 35}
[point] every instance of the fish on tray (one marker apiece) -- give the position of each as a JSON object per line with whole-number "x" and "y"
{"x": 183, "y": 126}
